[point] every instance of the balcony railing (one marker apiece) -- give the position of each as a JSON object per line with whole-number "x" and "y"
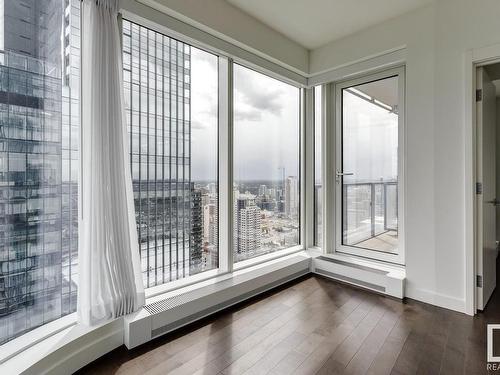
{"x": 368, "y": 210}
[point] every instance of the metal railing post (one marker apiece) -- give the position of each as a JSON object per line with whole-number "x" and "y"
{"x": 372, "y": 208}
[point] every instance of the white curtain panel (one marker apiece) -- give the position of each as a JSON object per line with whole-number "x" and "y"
{"x": 110, "y": 283}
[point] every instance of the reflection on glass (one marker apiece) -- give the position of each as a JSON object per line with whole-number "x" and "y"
{"x": 318, "y": 180}
{"x": 171, "y": 99}
{"x": 266, "y": 164}
{"x": 370, "y": 164}
{"x": 39, "y": 130}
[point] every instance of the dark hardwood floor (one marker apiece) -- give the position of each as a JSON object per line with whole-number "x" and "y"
{"x": 317, "y": 326}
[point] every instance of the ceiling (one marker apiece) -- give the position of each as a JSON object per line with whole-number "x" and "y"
{"x": 313, "y": 23}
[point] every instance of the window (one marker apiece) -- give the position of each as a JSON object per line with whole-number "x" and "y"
{"x": 39, "y": 166}
{"x": 318, "y": 180}
{"x": 266, "y": 164}
{"x": 171, "y": 93}
{"x": 368, "y": 166}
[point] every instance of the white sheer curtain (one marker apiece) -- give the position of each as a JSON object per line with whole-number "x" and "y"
{"x": 110, "y": 283}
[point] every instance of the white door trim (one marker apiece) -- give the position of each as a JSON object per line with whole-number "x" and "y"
{"x": 473, "y": 58}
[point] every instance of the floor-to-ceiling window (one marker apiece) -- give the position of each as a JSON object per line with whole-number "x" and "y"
{"x": 171, "y": 91}
{"x": 266, "y": 207}
{"x": 39, "y": 166}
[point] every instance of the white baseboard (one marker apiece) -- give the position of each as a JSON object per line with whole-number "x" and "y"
{"x": 436, "y": 299}
{"x": 367, "y": 275}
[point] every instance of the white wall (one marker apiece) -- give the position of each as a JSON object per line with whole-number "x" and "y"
{"x": 436, "y": 38}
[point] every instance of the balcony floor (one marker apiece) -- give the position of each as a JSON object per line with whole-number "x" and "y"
{"x": 386, "y": 242}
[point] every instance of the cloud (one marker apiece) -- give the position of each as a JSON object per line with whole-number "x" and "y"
{"x": 256, "y": 94}
{"x": 247, "y": 115}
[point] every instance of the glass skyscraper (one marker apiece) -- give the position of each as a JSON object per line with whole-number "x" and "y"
{"x": 169, "y": 213}
{"x": 39, "y": 122}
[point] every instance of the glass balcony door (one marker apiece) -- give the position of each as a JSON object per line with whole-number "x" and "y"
{"x": 369, "y": 140}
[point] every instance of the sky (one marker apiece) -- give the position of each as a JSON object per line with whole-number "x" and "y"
{"x": 266, "y": 123}
{"x": 370, "y": 140}
{"x": 204, "y": 91}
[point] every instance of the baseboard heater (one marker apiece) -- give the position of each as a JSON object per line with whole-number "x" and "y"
{"x": 386, "y": 281}
{"x": 174, "y": 310}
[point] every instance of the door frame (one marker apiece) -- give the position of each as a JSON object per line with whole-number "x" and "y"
{"x": 473, "y": 58}
{"x": 336, "y": 88}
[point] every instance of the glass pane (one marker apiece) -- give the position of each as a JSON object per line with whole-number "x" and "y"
{"x": 171, "y": 91}
{"x": 370, "y": 165}
{"x": 39, "y": 167}
{"x": 266, "y": 164}
{"x": 318, "y": 180}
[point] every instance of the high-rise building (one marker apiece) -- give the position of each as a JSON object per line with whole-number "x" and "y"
{"x": 291, "y": 197}
{"x": 212, "y": 188}
{"x": 206, "y": 222}
{"x": 196, "y": 232}
{"x": 39, "y": 126}
{"x": 213, "y": 227}
{"x": 247, "y": 226}
{"x": 169, "y": 210}
{"x": 262, "y": 190}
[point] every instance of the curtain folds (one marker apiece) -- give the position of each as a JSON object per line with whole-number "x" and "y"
{"x": 110, "y": 283}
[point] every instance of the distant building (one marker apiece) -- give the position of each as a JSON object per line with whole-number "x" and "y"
{"x": 210, "y": 229}
{"x": 206, "y": 222}
{"x": 247, "y": 226}
{"x": 212, "y": 188}
{"x": 213, "y": 226}
{"x": 196, "y": 228}
{"x": 291, "y": 197}
{"x": 262, "y": 190}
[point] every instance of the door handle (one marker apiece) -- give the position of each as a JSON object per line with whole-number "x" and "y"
{"x": 344, "y": 173}
{"x": 494, "y": 202}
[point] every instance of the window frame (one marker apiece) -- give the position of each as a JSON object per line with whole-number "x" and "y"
{"x": 303, "y": 222}
{"x": 226, "y": 63}
{"x": 318, "y": 232}
{"x": 336, "y": 159}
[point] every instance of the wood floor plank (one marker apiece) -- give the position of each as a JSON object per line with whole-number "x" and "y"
{"x": 341, "y": 357}
{"x": 239, "y": 341}
{"x": 392, "y": 346}
{"x": 367, "y": 352}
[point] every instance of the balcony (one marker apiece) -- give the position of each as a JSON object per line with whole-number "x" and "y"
{"x": 370, "y": 215}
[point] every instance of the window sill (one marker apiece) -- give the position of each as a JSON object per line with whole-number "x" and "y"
{"x": 217, "y": 274}
{"x": 266, "y": 257}
{"x": 182, "y": 283}
{"x": 37, "y": 335}
{"x": 59, "y": 346}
